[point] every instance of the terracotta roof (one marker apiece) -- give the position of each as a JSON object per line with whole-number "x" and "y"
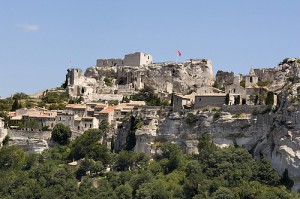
{"x": 87, "y": 118}
{"x": 11, "y": 114}
{"x": 76, "y": 106}
{"x": 108, "y": 109}
{"x": 101, "y": 106}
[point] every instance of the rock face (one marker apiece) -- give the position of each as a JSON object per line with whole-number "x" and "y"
{"x": 124, "y": 80}
{"x": 273, "y": 134}
{"x": 224, "y": 78}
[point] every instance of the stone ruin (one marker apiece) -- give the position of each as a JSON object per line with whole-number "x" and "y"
{"x": 120, "y": 80}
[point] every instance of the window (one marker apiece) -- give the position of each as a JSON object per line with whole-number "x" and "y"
{"x": 199, "y": 99}
{"x": 85, "y": 125}
{"x": 90, "y": 125}
{"x": 251, "y": 80}
{"x": 233, "y": 90}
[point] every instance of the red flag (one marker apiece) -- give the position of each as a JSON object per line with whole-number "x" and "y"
{"x": 179, "y": 53}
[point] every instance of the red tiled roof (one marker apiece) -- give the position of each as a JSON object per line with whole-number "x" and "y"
{"x": 108, "y": 109}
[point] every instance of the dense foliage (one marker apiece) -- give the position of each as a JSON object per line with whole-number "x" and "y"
{"x": 213, "y": 173}
{"x": 61, "y": 133}
{"x": 148, "y": 95}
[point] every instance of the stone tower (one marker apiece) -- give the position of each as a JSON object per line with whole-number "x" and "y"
{"x": 74, "y": 76}
{"x": 251, "y": 79}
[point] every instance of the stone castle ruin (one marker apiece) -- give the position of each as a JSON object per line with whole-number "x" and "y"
{"x": 114, "y": 78}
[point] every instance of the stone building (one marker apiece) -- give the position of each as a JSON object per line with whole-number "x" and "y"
{"x": 181, "y": 102}
{"x": 107, "y": 114}
{"x": 79, "y": 109}
{"x": 224, "y": 78}
{"x": 209, "y": 100}
{"x": 197, "y": 101}
{"x": 134, "y": 59}
{"x": 251, "y": 79}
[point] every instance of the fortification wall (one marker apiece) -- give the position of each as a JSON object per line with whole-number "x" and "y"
{"x": 242, "y": 108}
{"x": 29, "y": 134}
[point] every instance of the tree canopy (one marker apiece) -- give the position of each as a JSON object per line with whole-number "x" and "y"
{"x": 61, "y": 133}
{"x": 213, "y": 173}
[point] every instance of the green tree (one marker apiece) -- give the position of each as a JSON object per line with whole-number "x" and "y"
{"x": 227, "y": 99}
{"x": 270, "y": 99}
{"x": 61, "y": 134}
{"x": 5, "y": 140}
{"x": 87, "y": 146}
{"x": 124, "y": 191}
{"x": 285, "y": 180}
{"x": 16, "y": 105}
{"x": 131, "y": 139}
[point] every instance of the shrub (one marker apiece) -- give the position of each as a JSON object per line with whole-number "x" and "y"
{"x": 191, "y": 118}
{"x": 237, "y": 115}
{"x": 108, "y": 81}
{"x": 217, "y": 114}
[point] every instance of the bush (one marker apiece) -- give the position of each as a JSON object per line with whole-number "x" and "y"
{"x": 108, "y": 81}
{"x": 217, "y": 114}
{"x": 113, "y": 102}
{"x": 191, "y": 118}
{"x": 148, "y": 95}
{"x": 55, "y": 97}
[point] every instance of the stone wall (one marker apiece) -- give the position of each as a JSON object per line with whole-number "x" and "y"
{"x": 109, "y": 62}
{"x": 224, "y": 78}
{"x": 242, "y": 108}
{"x": 29, "y": 134}
{"x": 209, "y": 100}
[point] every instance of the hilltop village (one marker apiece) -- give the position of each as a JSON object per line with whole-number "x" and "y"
{"x": 172, "y": 102}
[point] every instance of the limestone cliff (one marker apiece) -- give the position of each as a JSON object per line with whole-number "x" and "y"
{"x": 274, "y": 134}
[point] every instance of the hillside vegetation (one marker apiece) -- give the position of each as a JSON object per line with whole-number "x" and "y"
{"x": 213, "y": 173}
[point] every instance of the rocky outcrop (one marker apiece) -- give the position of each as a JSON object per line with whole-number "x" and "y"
{"x": 165, "y": 78}
{"x": 224, "y": 78}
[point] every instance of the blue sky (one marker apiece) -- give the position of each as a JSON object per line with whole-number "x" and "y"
{"x": 39, "y": 38}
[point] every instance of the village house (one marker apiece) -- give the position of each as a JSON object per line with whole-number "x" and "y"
{"x": 107, "y": 114}
{"x": 84, "y": 123}
{"x": 209, "y": 100}
{"x": 66, "y": 118}
{"x": 79, "y": 109}
{"x": 198, "y": 101}
{"x": 33, "y": 118}
{"x": 181, "y": 102}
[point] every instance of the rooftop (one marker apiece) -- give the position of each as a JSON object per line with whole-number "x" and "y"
{"x": 76, "y": 106}
{"x": 108, "y": 109}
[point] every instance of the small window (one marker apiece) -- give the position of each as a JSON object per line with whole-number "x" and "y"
{"x": 251, "y": 79}
{"x": 85, "y": 125}
{"x": 233, "y": 90}
{"x": 90, "y": 125}
{"x": 199, "y": 99}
